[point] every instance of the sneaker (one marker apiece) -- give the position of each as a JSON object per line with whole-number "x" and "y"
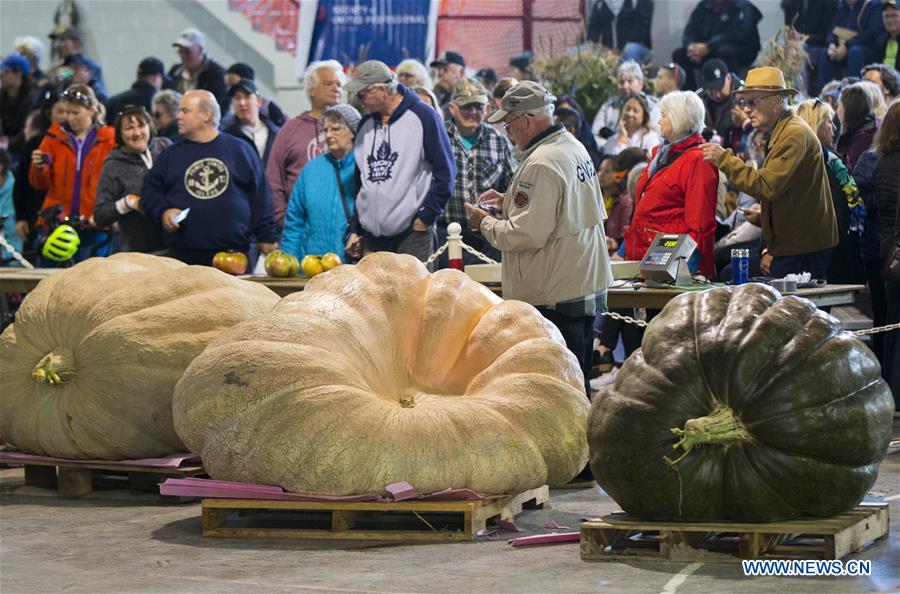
{"x": 603, "y": 363}
{"x": 607, "y": 379}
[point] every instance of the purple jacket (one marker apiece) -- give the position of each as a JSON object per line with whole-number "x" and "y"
{"x": 299, "y": 141}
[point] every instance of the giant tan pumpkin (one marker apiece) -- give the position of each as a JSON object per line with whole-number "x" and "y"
{"x": 382, "y": 372}
{"x": 89, "y": 367}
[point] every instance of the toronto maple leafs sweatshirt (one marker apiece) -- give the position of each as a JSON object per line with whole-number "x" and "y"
{"x": 406, "y": 167}
{"x": 223, "y": 183}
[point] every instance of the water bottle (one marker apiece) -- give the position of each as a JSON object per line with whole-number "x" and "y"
{"x": 740, "y": 266}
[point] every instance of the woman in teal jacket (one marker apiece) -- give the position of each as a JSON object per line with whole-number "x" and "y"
{"x": 319, "y": 210}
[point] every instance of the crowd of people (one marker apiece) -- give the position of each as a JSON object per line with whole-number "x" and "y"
{"x": 194, "y": 160}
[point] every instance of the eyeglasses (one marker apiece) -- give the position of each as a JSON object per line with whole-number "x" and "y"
{"x": 77, "y": 96}
{"x": 751, "y": 103}
{"x": 334, "y": 129}
{"x": 506, "y": 125}
{"x": 472, "y": 107}
{"x": 132, "y": 110}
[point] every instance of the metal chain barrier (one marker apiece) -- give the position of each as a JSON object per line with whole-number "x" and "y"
{"x": 642, "y": 324}
{"x": 888, "y": 328}
{"x": 436, "y": 255}
{"x": 626, "y": 319}
{"x": 9, "y": 248}
{"x": 477, "y": 254}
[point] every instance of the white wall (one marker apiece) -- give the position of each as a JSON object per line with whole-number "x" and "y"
{"x": 670, "y": 17}
{"x": 120, "y": 33}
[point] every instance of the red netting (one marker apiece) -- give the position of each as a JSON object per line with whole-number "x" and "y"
{"x": 490, "y": 32}
{"x": 276, "y": 18}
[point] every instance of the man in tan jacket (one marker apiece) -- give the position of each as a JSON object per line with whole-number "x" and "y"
{"x": 551, "y": 227}
{"x": 798, "y": 221}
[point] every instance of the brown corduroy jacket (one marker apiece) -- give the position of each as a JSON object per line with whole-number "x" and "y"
{"x": 792, "y": 188}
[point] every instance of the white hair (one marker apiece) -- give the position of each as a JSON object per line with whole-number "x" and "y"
{"x": 417, "y": 70}
{"x": 631, "y": 69}
{"x": 311, "y": 76}
{"x": 207, "y": 104}
{"x": 168, "y": 99}
{"x": 685, "y": 111}
{"x": 876, "y": 97}
{"x": 544, "y": 110}
{"x": 31, "y": 45}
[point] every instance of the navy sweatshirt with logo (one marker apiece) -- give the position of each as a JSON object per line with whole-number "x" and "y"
{"x": 406, "y": 168}
{"x": 224, "y": 185}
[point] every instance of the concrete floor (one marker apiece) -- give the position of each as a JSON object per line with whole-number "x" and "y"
{"x": 112, "y": 541}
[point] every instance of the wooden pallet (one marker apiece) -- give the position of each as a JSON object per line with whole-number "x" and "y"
{"x": 619, "y": 536}
{"x": 363, "y": 520}
{"x": 77, "y": 479}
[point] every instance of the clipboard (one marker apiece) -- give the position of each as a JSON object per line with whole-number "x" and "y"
{"x": 844, "y": 34}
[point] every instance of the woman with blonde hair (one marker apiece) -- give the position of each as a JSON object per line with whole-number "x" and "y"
{"x": 412, "y": 73}
{"x": 68, "y": 162}
{"x": 846, "y": 260}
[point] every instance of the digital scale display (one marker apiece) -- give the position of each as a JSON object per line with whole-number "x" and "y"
{"x": 666, "y": 260}
{"x": 669, "y": 243}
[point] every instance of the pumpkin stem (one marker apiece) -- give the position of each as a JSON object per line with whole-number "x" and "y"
{"x": 407, "y": 401}
{"x": 721, "y": 426}
{"x": 56, "y": 368}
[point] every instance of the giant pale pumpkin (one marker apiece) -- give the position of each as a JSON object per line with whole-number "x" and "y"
{"x": 382, "y": 372}
{"x": 741, "y": 405}
{"x": 89, "y": 367}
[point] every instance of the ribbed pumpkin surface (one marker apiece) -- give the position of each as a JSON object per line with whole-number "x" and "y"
{"x": 382, "y": 372}
{"x": 742, "y": 405}
{"x": 118, "y": 332}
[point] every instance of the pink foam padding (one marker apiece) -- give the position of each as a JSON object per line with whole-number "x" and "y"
{"x": 173, "y": 461}
{"x": 545, "y": 539}
{"x": 402, "y": 491}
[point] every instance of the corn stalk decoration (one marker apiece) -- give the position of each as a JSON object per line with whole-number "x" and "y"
{"x": 587, "y": 71}
{"x": 786, "y": 52}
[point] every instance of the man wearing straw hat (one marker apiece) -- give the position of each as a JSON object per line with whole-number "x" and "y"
{"x": 798, "y": 221}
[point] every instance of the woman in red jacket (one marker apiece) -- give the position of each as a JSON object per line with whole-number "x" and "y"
{"x": 676, "y": 193}
{"x": 68, "y": 162}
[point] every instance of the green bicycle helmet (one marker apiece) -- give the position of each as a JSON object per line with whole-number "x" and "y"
{"x": 61, "y": 244}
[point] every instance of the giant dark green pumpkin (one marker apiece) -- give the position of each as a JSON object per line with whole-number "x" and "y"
{"x": 741, "y": 405}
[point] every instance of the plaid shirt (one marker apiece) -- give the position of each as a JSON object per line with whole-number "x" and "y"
{"x": 489, "y": 164}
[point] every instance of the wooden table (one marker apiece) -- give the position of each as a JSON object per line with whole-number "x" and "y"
{"x": 22, "y": 280}
{"x": 17, "y": 280}
{"x": 629, "y": 297}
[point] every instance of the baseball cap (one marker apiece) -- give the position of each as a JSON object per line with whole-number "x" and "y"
{"x": 449, "y": 57}
{"x": 715, "y": 72}
{"x": 242, "y": 70}
{"x": 487, "y": 76}
{"x": 65, "y": 33}
{"x": 370, "y": 72}
{"x": 246, "y": 85}
{"x": 522, "y": 97}
{"x": 468, "y": 91}
{"x": 885, "y": 4}
{"x": 522, "y": 61}
{"x": 191, "y": 38}
{"x": 150, "y": 66}
{"x": 350, "y": 116}
{"x": 17, "y": 63}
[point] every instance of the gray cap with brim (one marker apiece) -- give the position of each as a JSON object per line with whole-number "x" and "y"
{"x": 524, "y": 96}
{"x": 371, "y": 72}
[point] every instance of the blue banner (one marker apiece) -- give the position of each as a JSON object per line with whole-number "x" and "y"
{"x": 386, "y": 30}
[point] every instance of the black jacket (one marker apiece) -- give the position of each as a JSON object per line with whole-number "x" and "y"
{"x": 26, "y": 199}
{"x": 881, "y": 47}
{"x": 631, "y": 25}
{"x": 887, "y": 198}
{"x": 122, "y": 174}
{"x": 212, "y": 79}
{"x": 731, "y": 23}
{"x": 140, "y": 93}
{"x": 810, "y": 17}
{"x": 13, "y": 112}
{"x": 235, "y": 130}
